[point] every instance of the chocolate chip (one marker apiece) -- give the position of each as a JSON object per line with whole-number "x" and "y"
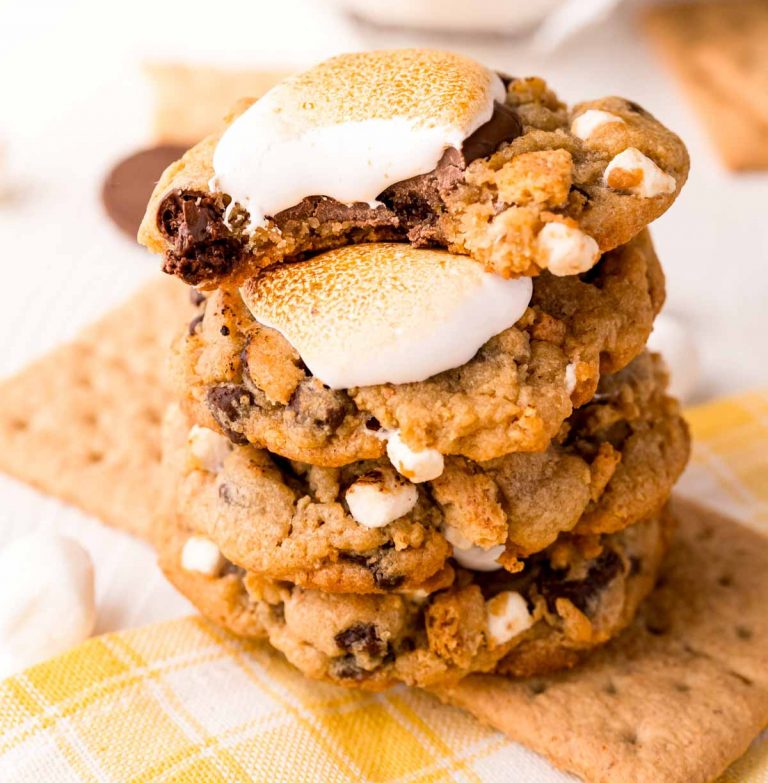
{"x": 372, "y": 423}
{"x": 199, "y": 241}
{"x": 360, "y": 637}
{"x": 506, "y": 79}
{"x": 229, "y": 403}
{"x": 224, "y": 331}
{"x": 503, "y": 126}
{"x": 346, "y": 668}
{"x": 580, "y": 592}
{"x": 383, "y": 580}
{"x": 129, "y": 185}
{"x": 318, "y": 406}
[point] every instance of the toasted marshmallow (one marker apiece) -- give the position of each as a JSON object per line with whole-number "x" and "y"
{"x": 416, "y": 466}
{"x": 466, "y": 554}
{"x": 638, "y": 174}
{"x": 48, "y": 605}
{"x": 385, "y": 313}
{"x": 375, "y": 502}
{"x": 202, "y": 556}
{"x": 508, "y": 616}
{"x": 589, "y": 121}
{"x": 351, "y": 127}
{"x": 565, "y": 250}
{"x": 207, "y": 449}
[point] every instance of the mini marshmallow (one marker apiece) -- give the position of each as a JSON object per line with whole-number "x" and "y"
{"x": 508, "y": 616}
{"x": 416, "y": 466}
{"x": 638, "y": 174}
{"x": 376, "y": 503}
{"x": 207, "y": 449}
{"x": 570, "y": 378}
{"x": 470, "y": 556}
{"x": 201, "y": 555}
{"x": 565, "y": 250}
{"x": 47, "y": 600}
{"x": 589, "y": 121}
{"x": 677, "y": 347}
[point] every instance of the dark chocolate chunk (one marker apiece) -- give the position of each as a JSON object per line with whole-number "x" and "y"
{"x": 229, "y": 403}
{"x": 360, "y": 637}
{"x": 346, "y": 668}
{"x": 200, "y": 241}
{"x": 580, "y": 592}
{"x": 129, "y": 185}
{"x": 318, "y": 406}
{"x": 504, "y": 125}
{"x": 384, "y": 580}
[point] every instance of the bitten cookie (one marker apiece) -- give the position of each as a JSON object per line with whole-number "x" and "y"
{"x": 512, "y": 393}
{"x": 416, "y": 146}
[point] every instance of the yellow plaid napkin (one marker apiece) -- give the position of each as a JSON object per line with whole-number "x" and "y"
{"x": 183, "y": 701}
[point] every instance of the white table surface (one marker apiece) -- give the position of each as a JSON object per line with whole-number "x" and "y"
{"x": 72, "y": 101}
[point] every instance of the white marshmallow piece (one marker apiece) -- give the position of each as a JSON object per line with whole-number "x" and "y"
{"x": 352, "y": 126}
{"x": 508, "y": 616}
{"x": 678, "y": 348}
{"x": 650, "y": 179}
{"x": 416, "y": 466}
{"x": 570, "y": 377}
{"x": 202, "y": 556}
{"x": 565, "y": 250}
{"x": 385, "y": 313}
{"x": 47, "y": 600}
{"x": 207, "y": 449}
{"x": 377, "y": 503}
{"x": 470, "y": 556}
{"x": 589, "y": 121}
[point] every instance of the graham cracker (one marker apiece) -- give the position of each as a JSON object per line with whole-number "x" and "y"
{"x": 718, "y": 52}
{"x": 678, "y": 696}
{"x": 191, "y": 101}
{"x": 82, "y": 423}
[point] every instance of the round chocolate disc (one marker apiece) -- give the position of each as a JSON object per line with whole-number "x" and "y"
{"x": 129, "y": 185}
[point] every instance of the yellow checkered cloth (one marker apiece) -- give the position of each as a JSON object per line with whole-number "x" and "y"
{"x": 183, "y": 701}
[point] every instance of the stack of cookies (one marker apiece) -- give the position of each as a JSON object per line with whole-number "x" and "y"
{"x": 418, "y": 435}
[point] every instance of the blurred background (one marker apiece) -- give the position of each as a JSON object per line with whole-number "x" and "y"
{"x": 86, "y": 83}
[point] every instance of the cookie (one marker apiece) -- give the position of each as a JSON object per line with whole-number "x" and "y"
{"x": 364, "y": 528}
{"x": 82, "y": 423}
{"x": 570, "y": 599}
{"x": 420, "y": 146}
{"x": 679, "y": 695}
{"x": 247, "y": 381}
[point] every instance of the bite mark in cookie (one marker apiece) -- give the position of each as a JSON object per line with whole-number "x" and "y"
{"x": 486, "y": 193}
